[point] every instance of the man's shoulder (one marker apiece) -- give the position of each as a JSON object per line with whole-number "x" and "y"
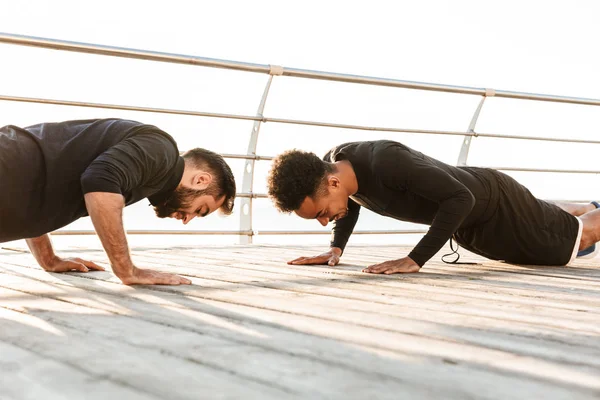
{"x": 349, "y": 150}
{"x": 130, "y": 129}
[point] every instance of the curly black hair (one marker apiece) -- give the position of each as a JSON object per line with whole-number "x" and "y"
{"x": 221, "y": 172}
{"x": 295, "y": 175}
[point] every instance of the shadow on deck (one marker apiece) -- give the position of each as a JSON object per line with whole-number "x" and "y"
{"x": 251, "y": 326}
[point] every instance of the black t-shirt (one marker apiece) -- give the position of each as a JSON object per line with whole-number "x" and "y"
{"x": 46, "y": 169}
{"x": 399, "y": 182}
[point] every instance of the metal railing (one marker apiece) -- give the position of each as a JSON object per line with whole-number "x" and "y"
{"x": 247, "y": 195}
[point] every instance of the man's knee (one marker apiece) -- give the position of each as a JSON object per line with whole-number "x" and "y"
{"x": 591, "y": 229}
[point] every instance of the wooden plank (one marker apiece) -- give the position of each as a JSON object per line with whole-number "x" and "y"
{"x": 204, "y": 273}
{"x": 379, "y": 254}
{"x": 364, "y": 256}
{"x": 364, "y": 283}
{"x": 508, "y": 280}
{"x": 278, "y": 313}
{"x": 145, "y": 369}
{"x": 477, "y": 382}
{"x": 459, "y": 327}
{"x": 579, "y": 320}
{"x": 25, "y": 374}
{"x": 284, "y": 371}
{"x": 482, "y": 358}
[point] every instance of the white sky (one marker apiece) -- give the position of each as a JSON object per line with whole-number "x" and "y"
{"x": 532, "y": 46}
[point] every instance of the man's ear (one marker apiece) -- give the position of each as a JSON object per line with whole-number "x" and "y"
{"x": 201, "y": 180}
{"x": 333, "y": 181}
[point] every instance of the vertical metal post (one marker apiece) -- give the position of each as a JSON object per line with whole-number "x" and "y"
{"x": 248, "y": 181}
{"x": 466, "y": 146}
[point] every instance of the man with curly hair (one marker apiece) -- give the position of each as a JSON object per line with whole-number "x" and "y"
{"x": 484, "y": 210}
{"x": 52, "y": 174}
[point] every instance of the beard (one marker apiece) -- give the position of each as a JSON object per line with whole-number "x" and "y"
{"x": 180, "y": 199}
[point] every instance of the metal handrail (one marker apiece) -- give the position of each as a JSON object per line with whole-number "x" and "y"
{"x": 66, "y": 232}
{"x": 268, "y": 69}
{"x": 240, "y": 232}
{"x": 286, "y": 121}
{"x": 298, "y": 73}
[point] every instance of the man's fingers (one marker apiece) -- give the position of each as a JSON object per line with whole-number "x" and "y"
{"x": 390, "y": 269}
{"x": 67, "y": 266}
{"x": 93, "y": 265}
{"x": 74, "y": 266}
{"x": 147, "y": 277}
{"x": 175, "y": 280}
{"x": 306, "y": 260}
{"x": 375, "y": 269}
{"x": 310, "y": 260}
{"x": 90, "y": 264}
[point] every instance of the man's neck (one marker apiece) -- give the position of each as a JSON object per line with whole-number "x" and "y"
{"x": 347, "y": 176}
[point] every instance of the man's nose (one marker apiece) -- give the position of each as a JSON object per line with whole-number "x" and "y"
{"x": 187, "y": 218}
{"x": 323, "y": 220}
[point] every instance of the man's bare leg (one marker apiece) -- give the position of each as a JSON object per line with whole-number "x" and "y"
{"x": 576, "y": 209}
{"x": 591, "y": 228}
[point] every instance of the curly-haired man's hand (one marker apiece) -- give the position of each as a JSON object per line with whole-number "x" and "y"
{"x": 404, "y": 265}
{"x": 331, "y": 258}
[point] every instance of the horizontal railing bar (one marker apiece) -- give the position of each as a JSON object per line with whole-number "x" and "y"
{"x": 543, "y": 139}
{"x": 285, "y": 121}
{"x": 261, "y": 232}
{"x": 253, "y": 195}
{"x": 155, "y": 232}
{"x": 300, "y": 73}
{"x": 567, "y": 171}
{"x": 246, "y": 157}
{"x": 562, "y": 171}
{"x": 360, "y": 232}
{"x": 128, "y": 108}
{"x": 113, "y": 51}
{"x": 247, "y": 233}
{"x": 425, "y": 131}
{"x": 571, "y": 201}
{"x": 262, "y": 68}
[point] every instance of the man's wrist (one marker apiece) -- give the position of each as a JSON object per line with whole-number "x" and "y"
{"x": 336, "y": 250}
{"x": 123, "y": 271}
{"x": 48, "y": 261}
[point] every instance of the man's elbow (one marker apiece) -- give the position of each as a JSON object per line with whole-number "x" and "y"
{"x": 469, "y": 200}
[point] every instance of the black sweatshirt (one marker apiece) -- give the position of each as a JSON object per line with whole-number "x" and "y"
{"x": 46, "y": 169}
{"x": 399, "y": 182}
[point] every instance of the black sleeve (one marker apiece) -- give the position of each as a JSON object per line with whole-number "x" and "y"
{"x": 140, "y": 160}
{"x": 404, "y": 170}
{"x": 342, "y": 228}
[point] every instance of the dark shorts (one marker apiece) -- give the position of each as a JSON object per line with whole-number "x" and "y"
{"x": 21, "y": 185}
{"x": 522, "y": 229}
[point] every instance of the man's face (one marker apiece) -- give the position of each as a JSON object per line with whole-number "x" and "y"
{"x": 186, "y": 204}
{"x": 324, "y": 208}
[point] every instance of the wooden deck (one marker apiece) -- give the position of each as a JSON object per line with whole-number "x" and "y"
{"x": 252, "y": 327}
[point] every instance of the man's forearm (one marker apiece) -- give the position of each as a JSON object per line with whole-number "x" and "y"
{"x": 342, "y": 229}
{"x": 41, "y": 249}
{"x": 450, "y": 215}
{"x": 106, "y": 211}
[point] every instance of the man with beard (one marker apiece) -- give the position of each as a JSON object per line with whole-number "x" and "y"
{"x": 52, "y": 174}
{"x": 484, "y": 210}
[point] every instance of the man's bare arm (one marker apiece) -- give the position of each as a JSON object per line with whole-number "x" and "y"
{"x": 41, "y": 248}
{"x": 106, "y": 211}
